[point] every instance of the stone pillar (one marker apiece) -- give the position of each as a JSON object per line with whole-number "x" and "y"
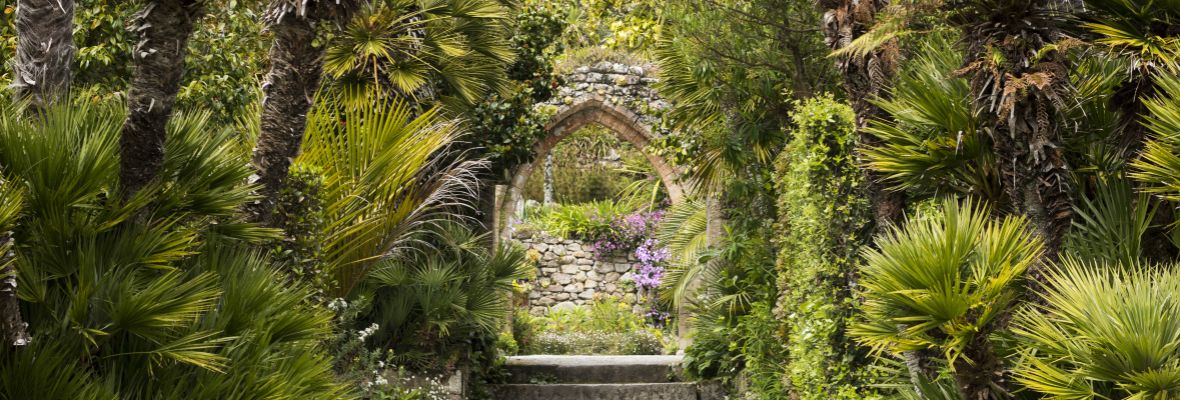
{"x": 548, "y": 179}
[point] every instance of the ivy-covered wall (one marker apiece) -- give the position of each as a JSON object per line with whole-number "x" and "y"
{"x": 822, "y": 217}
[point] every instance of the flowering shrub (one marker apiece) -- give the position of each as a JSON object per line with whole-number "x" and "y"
{"x": 625, "y": 232}
{"x": 651, "y": 258}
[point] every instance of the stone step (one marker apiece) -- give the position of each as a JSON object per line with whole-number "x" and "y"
{"x": 597, "y": 391}
{"x": 547, "y": 369}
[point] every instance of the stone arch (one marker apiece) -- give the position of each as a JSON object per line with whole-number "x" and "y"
{"x": 624, "y": 123}
{"x": 611, "y": 95}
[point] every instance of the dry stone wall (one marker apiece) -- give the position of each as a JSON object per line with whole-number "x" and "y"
{"x": 569, "y": 275}
{"x": 628, "y": 86}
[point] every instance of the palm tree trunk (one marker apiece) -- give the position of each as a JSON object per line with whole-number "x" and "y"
{"x": 164, "y": 28}
{"x": 44, "y": 50}
{"x": 866, "y": 77}
{"x": 13, "y": 329}
{"x": 290, "y": 86}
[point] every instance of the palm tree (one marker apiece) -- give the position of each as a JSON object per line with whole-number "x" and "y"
{"x": 164, "y": 29}
{"x": 455, "y": 52}
{"x": 1146, "y": 38}
{"x": 159, "y": 285}
{"x": 44, "y": 50}
{"x": 294, "y": 78}
{"x": 944, "y": 282}
{"x": 446, "y": 288}
{"x": 866, "y": 77}
{"x": 1019, "y": 83}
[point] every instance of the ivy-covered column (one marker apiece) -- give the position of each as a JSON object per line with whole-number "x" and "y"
{"x": 823, "y": 213}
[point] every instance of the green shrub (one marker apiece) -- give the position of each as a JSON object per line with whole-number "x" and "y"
{"x": 639, "y": 342}
{"x": 822, "y": 214}
{"x": 607, "y": 326}
{"x": 429, "y": 301}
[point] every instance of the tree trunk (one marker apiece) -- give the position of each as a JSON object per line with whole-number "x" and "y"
{"x": 13, "y": 330}
{"x": 164, "y": 28}
{"x": 44, "y": 50}
{"x": 866, "y": 77}
{"x": 290, "y": 86}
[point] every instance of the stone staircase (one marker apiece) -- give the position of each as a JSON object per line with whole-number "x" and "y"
{"x": 598, "y": 378}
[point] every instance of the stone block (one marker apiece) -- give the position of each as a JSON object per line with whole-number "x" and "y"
{"x": 612, "y": 277}
{"x": 580, "y": 276}
{"x": 562, "y": 279}
{"x": 574, "y": 288}
{"x": 574, "y": 247}
{"x": 623, "y": 267}
{"x": 562, "y": 296}
{"x": 603, "y": 267}
{"x": 586, "y": 295}
{"x": 584, "y": 267}
{"x": 546, "y": 301}
{"x": 584, "y": 261}
{"x": 569, "y": 269}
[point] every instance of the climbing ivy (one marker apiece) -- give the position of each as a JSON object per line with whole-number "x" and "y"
{"x": 822, "y": 214}
{"x": 509, "y": 124}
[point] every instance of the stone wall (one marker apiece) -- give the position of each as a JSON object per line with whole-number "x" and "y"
{"x": 569, "y": 275}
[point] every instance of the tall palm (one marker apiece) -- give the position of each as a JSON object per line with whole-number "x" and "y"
{"x": 296, "y": 63}
{"x": 944, "y": 282}
{"x": 44, "y": 50}
{"x": 867, "y": 76}
{"x": 1019, "y": 84}
{"x": 932, "y": 143}
{"x": 454, "y": 51}
{"x": 164, "y": 29}
{"x": 387, "y": 175}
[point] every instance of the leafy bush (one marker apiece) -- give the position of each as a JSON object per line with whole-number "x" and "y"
{"x": 156, "y": 286}
{"x": 641, "y": 342}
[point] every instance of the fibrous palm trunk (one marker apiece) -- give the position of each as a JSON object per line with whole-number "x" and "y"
{"x": 866, "y": 77}
{"x": 164, "y": 28}
{"x": 1018, "y": 85}
{"x": 44, "y": 50}
{"x": 13, "y": 329}
{"x": 294, "y": 77}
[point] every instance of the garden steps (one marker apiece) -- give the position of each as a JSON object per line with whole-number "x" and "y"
{"x": 546, "y": 377}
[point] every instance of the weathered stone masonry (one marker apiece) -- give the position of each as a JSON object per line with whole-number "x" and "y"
{"x": 569, "y": 275}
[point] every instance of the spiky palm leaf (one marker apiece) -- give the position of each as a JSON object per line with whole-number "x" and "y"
{"x": 118, "y": 291}
{"x": 1106, "y": 331}
{"x": 455, "y": 51}
{"x": 386, "y": 176}
{"x": 932, "y": 143}
{"x": 683, "y": 231}
{"x": 1110, "y": 225}
{"x": 442, "y": 290}
{"x": 943, "y": 278}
